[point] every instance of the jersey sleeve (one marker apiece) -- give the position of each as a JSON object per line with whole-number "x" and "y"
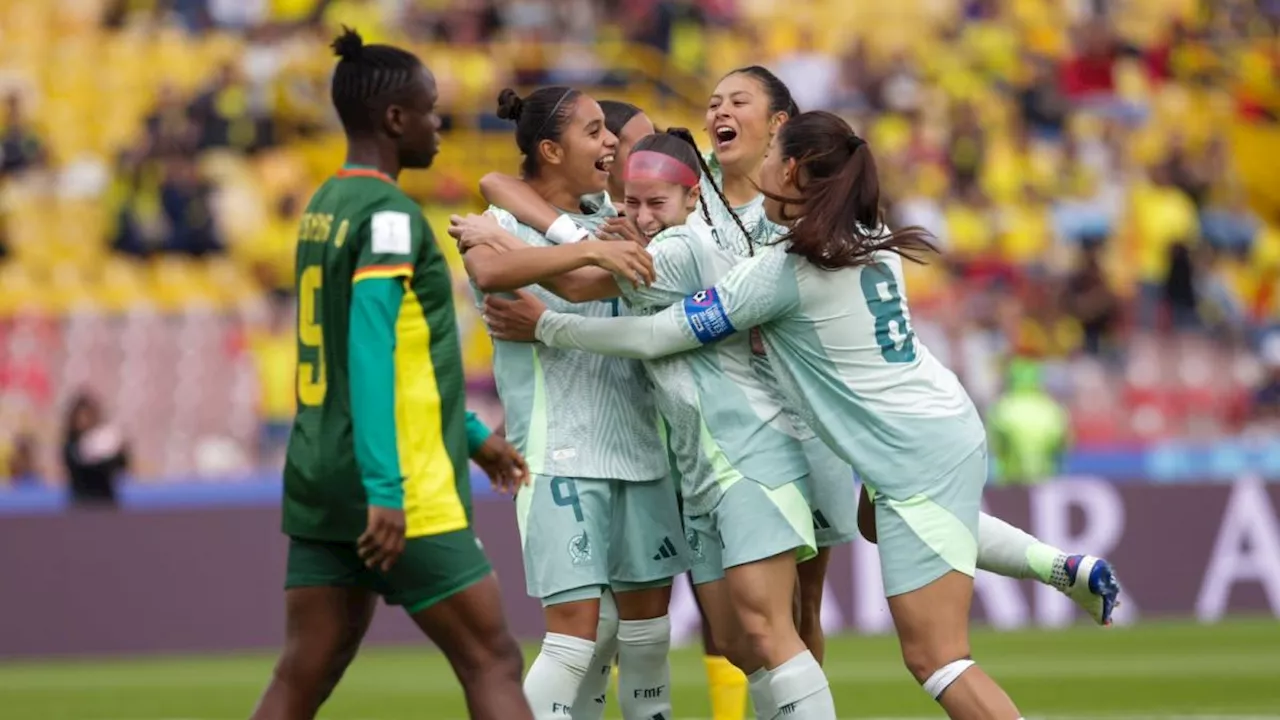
{"x": 389, "y": 242}
{"x": 675, "y": 263}
{"x": 750, "y": 295}
{"x": 371, "y": 346}
{"x": 477, "y": 433}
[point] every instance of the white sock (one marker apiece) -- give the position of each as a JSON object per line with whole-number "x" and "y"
{"x": 1005, "y": 550}
{"x": 552, "y": 683}
{"x": 644, "y": 673}
{"x": 761, "y": 695}
{"x": 801, "y": 690}
{"x": 594, "y": 692}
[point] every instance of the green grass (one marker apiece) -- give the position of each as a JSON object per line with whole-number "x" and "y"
{"x": 1153, "y": 670}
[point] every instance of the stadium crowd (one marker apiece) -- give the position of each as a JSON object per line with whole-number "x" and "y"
{"x": 1096, "y": 174}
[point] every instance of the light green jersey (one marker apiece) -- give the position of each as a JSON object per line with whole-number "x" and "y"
{"x": 725, "y": 425}
{"x": 844, "y": 352}
{"x": 574, "y": 413}
{"x": 723, "y": 229}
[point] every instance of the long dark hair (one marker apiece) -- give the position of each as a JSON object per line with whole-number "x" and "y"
{"x": 617, "y": 114}
{"x": 543, "y": 115}
{"x": 840, "y": 224}
{"x": 780, "y": 99}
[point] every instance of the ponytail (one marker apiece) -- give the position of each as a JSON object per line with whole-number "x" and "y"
{"x": 840, "y": 223}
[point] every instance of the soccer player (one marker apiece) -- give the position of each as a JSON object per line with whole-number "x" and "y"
{"x": 376, "y": 483}
{"x": 866, "y": 384}
{"x": 600, "y": 514}
{"x": 742, "y": 470}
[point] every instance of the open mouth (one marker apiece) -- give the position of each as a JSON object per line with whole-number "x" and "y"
{"x": 725, "y": 135}
{"x": 604, "y": 163}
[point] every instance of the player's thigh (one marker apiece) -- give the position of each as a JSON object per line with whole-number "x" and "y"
{"x": 832, "y": 495}
{"x": 330, "y": 597}
{"x": 470, "y": 629}
{"x": 813, "y": 575}
{"x": 923, "y": 536}
{"x": 647, "y": 546}
{"x": 932, "y": 622}
{"x": 564, "y": 535}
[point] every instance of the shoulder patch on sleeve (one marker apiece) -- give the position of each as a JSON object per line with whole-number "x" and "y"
{"x": 391, "y": 233}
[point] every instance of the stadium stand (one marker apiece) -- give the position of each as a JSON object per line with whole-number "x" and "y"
{"x": 1100, "y": 175}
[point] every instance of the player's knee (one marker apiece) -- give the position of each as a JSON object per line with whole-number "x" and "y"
{"x": 926, "y": 660}
{"x": 493, "y": 657}
{"x": 760, "y": 633}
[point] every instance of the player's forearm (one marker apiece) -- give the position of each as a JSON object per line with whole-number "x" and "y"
{"x": 516, "y": 197}
{"x": 645, "y": 338}
{"x": 504, "y": 272}
{"x": 477, "y": 433}
{"x": 375, "y": 304}
{"x": 584, "y": 285}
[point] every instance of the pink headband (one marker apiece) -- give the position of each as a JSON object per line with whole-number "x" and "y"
{"x": 652, "y": 165}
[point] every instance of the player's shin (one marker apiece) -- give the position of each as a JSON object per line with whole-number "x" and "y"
{"x": 1005, "y": 550}
{"x": 594, "y": 691}
{"x": 551, "y": 686}
{"x": 801, "y": 690}
{"x": 644, "y": 672}
{"x": 761, "y": 695}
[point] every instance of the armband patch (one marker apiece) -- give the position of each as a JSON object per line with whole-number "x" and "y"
{"x": 707, "y": 317}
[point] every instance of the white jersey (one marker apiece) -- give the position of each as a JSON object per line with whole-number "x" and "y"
{"x": 844, "y": 352}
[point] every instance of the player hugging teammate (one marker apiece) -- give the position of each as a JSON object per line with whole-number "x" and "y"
{"x": 747, "y": 112}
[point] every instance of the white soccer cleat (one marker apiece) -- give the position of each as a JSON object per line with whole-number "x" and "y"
{"x": 1092, "y": 584}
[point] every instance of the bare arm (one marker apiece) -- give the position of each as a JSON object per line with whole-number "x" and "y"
{"x": 516, "y": 197}
{"x": 495, "y": 271}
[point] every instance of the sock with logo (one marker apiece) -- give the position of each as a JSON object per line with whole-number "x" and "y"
{"x": 551, "y": 686}
{"x": 644, "y": 672}
{"x": 761, "y": 695}
{"x": 801, "y": 690}
{"x": 1005, "y": 550}
{"x": 594, "y": 691}
{"x": 728, "y": 688}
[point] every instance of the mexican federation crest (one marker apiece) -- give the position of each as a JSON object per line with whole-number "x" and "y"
{"x": 580, "y": 548}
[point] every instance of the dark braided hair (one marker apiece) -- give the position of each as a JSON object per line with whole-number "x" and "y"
{"x": 617, "y": 114}
{"x": 543, "y": 115}
{"x": 367, "y": 78}
{"x": 685, "y": 135}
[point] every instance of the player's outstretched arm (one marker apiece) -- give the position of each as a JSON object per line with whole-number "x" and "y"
{"x": 375, "y": 305}
{"x": 495, "y": 271}
{"x": 498, "y": 458}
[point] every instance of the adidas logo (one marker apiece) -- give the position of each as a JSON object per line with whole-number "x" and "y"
{"x": 820, "y": 521}
{"x": 666, "y": 550}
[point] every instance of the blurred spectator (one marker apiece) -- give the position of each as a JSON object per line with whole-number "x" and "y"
{"x": 169, "y": 126}
{"x": 18, "y": 460}
{"x": 187, "y": 201}
{"x": 1090, "y": 71}
{"x": 274, "y": 352}
{"x": 1091, "y": 301}
{"x": 95, "y": 453}
{"x": 1264, "y": 410}
{"x": 1165, "y": 219}
{"x": 1029, "y": 429}
{"x": 902, "y": 89}
{"x": 811, "y": 74}
{"x": 271, "y": 252}
{"x": 1043, "y": 104}
{"x": 1230, "y": 225}
{"x": 226, "y": 115}
{"x": 20, "y": 147}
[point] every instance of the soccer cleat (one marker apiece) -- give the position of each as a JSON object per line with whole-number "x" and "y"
{"x": 1092, "y": 584}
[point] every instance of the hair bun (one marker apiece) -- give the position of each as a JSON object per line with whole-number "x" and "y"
{"x": 349, "y": 45}
{"x": 510, "y": 105}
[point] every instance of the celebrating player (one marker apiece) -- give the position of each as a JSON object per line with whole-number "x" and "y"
{"x": 742, "y": 472}
{"x": 376, "y": 483}
{"x": 587, "y": 424}
{"x": 860, "y": 376}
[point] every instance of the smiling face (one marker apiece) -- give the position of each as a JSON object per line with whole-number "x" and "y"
{"x": 657, "y": 204}
{"x": 636, "y": 128}
{"x": 740, "y": 123}
{"x": 585, "y": 152}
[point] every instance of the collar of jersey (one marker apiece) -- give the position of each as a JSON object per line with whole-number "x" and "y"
{"x": 348, "y": 171}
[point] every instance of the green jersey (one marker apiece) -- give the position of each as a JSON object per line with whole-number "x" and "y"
{"x": 381, "y": 397}
{"x": 574, "y": 413}
{"x": 723, "y": 229}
